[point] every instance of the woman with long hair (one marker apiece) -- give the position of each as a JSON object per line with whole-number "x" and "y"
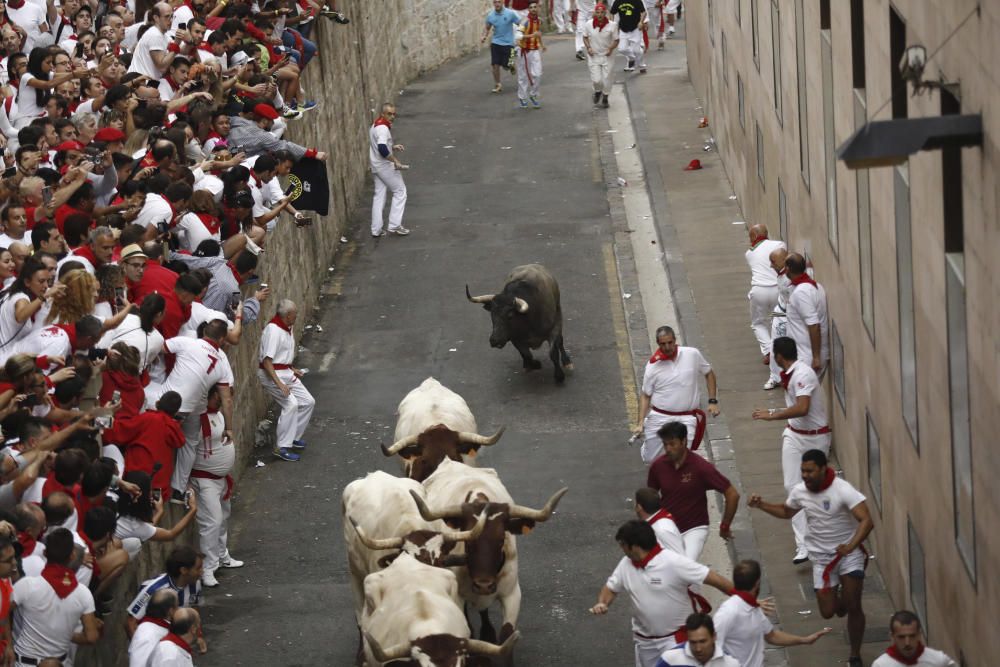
{"x": 18, "y": 374}
{"x": 24, "y": 305}
{"x": 139, "y": 331}
{"x": 35, "y": 85}
{"x": 6, "y": 268}
{"x": 77, "y": 300}
{"x": 110, "y": 291}
{"x": 137, "y": 517}
{"x": 122, "y": 374}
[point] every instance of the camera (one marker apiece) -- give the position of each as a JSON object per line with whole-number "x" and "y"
{"x": 30, "y": 401}
{"x": 162, "y": 227}
{"x": 97, "y": 353}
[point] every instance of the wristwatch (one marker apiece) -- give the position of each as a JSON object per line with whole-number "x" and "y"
{"x": 713, "y": 401}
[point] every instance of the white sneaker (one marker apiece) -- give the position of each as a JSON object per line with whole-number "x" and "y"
{"x": 252, "y": 247}
{"x": 230, "y": 563}
{"x": 771, "y": 384}
{"x": 801, "y": 556}
{"x": 208, "y": 580}
{"x": 399, "y": 231}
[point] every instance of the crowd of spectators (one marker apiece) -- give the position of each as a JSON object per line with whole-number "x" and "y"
{"x": 143, "y": 148}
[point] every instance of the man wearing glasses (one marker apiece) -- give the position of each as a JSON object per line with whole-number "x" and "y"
{"x": 154, "y": 52}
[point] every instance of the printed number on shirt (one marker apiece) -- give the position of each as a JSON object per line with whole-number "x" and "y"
{"x": 211, "y": 366}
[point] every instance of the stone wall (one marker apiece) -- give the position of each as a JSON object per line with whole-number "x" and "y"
{"x": 359, "y": 66}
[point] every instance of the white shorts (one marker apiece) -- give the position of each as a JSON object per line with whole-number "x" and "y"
{"x": 853, "y": 564}
{"x": 672, "y": 6}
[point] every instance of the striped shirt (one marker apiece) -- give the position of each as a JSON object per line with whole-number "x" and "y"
{"x": 252, "y": 139}
{"x": 188, "y": 596}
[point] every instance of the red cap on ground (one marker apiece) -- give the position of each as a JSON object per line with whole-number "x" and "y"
{"x": 109, "y": 134}
{"x": 693, "y": 165}
{"x": 266, "y": 111}
{"x": 69, "y": 146}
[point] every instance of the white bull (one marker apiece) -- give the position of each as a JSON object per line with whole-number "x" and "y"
{"x": 413, "y": 611}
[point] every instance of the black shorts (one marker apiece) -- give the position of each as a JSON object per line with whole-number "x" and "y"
{"x": 500, "y": 54}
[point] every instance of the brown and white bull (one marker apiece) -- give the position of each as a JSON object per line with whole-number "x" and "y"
{"x": 381, "y": 521}
{"x": 527, "y": 312}
{"x": 435, "y": 423}
{"x": 458, "y": 493}
{"x": 413, "y": 616}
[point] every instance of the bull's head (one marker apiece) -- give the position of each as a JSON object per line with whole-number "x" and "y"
{"x": 423, "y": 453}
{"x": 485, "y": 554}
{"x": 505, "y": 310}
{"x": 439, "y": 650}
{"x": 427, "y": 546}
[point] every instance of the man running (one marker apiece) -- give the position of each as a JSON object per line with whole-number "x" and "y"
{"x": 600, "y": 37}
{"x": 529, "y": 58}
{"x": 501, "y": 21}
{"x": 631, "y": 15}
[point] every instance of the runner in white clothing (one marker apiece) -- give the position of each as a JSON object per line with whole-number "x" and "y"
{"x": 153, "y": 627}
{"x": 385, "y": 168}
{"x": 647, "y": 508}
{"x": 808, "y": 427}
{"x": 283, "y": 381}
{"x": 839, "y": 523}
{"x": 584, "y": 15}
{"x": 779, "y": 316}
{"x": 807, "y": 322}
{"x": 671, "y": 391}
{"x": 908, "y": 645}
{"x": 600, "y": 37}
{"x": 763, "y": 294}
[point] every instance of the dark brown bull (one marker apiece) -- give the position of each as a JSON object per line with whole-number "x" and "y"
{"x": 423, "y": 452}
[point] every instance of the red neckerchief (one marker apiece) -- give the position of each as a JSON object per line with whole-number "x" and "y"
{"x": 641, "y": 564}
{"x": 89, "y": 543}
{"x": 52, "y": 485}
{"x": 28, "y": 543}
{"x": 746, "y": 596}
{"x": 206, "y": 431}
{"x": 211, "y": 342}
{"x": 828, "y": 482}
{"x": 280, "y": 323}
{"x": 785, "y": 379}
{"x": 211, "y": 222}
{"x": 659, "y": 356}
{"x": 894, "y": 653}
{"x": 170, "y": 82}
{"x": 760, "y": 239}
{"x": 16, "y": 4}
{"x": 155, "y": 621}
{"x": 599, "y": 24}
{"x": 382, "y": 121}
{"x": 256, "y": 179}
{"x": 804, "y": 278}
{"x": 173, "y": 212}
{"x": 174, "y": 639}
{"x": 205, "y": 46}
{"x": 660, "y": 514}
{"x": 60, "y": 578}
{"x": 70, "y": 330}
{"x": 148, "y": 161}
{"x": 236, "y": 274}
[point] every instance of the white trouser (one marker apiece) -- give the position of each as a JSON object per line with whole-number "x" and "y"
{"x": 793, "y": 446}
{"x": 296, "y": 408}
{"x": 652, "y": 446}
{"x": 529, "y": 73}
{"x": 184, "y": 460}
{"x": 778, "y": 329}
{"x": 631, "y": 45}
{"x": 213, "y": 519}
{"x": 387, "y": 177}
{"x": 583, "y": 17}
{"x": 648, "y": 651}
{"x": 694, "y": 541}
{"x": 672, "y": 6}
{"x": 762, "y": 303}
{"x": 655, "y": 16}
{"x": 560, "y": 14}
{"x": 600, "y": 73}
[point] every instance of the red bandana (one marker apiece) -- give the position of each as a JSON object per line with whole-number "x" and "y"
{"x": 746, "y": 596}
{"x": 28, "y": 543}
{"x": 641, "y": 564}
{"x": 211, "y": 222}
{"x": 382, "y": 121}
{"x": 760, "y": 239}
{"x": 280, "y": 323}
{"x": 61, "y": 578}
{"x": 170, "y": 82}
{"x": 173, "y": 211}
{"x": 659, "y": 356}
{"x": 155, "y": 621}
{"x": 804, "y": 278}
{"x": 87, "y": 253}
{"x": 600, "y": 24}
{"x": 894, "y": 653}
{"x": 174, "y": 639}
{"x": 660, "y": 514}
{"x": 256, "y": 179}
{"x": 785, "y": 379}
{"x": 828, "y": 482}
{"x": 236, "y": 274}
{"x": 70, "y": 330}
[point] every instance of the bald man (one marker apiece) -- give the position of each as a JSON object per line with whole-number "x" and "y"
{"x": 763, "y": 290}
{"x": 778, "y": 318}
{"x": 175, "y": 649}
{"x": 20, "y": 252}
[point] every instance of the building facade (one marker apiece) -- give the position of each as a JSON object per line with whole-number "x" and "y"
{"x": 906, "y": 254}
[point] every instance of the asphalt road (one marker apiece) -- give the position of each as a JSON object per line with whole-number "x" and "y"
{"x": 491, "y": 186}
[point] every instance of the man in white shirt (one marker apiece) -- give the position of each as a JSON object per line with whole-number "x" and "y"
{"x": 779, "y": 316}
{"x": 741, "y": 625}
{"x": 807, "y": 320}
{"x": 155, "y": 51}
{"x": 808, "y": 426}
{"x": 385, "y": 168}
{"x": 647, "y": 508}
{"x": 174, "y": 650}
{"x": 839, "y": 522}
{"x": 282, "y": 381}
{"x": 153, "y": 627}
{"x": 701, "y": 648}
{"x": 15, "y": 223}
{"x": 62, "y": 340}
{"x": 48, "y": 609}
{"x": 763, "y": 287}
{"x": 584, "y": 15}
{"x": 908, "y": 645}
{"x": 31, "y": 17}
{"x": 671, "y": 392}
{"x": 600, "y": 38}
{"x": 656, "y": 581}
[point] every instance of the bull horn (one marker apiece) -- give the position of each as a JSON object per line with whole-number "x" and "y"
{"x": 467, "y": 535}
{"x": 428, "y": 515}
{"x": 397, "y": 652}
{"x": 485, "y": 298}
{"x": 521, "y": 512}
{"x": 522, "y": 305}
{"x": 400, "y": 445}
{"x": 373, "y": 544}
{"x": 485, "y": 648}
{"x": 476, "y": 439}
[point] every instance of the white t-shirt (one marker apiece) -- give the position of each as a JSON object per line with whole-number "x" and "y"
{"x": 142, "y": 61}
{"x": 129, "y": 526}
{"x": 807, "y": 306}
{"x": 192, "y": 230}
{"x": 182, "y": 14}
{"x": 12, "y": 331}
{"x": 169, "y": 654}
{"x": 600, "y": 39}
{"x": 277, "y": 344}
{"x": 931, "y": 657}
{"x": 49, "y": 341}
{"x": 675, "y": 386}
{"x": 155, "y": 209}
{"x": 131, "y": 333}
{"x": 758, "y": 257}
{"x": 30, "y": 17}
{"x": 215, "y": 455}
{"x": 131, "y": 37}
{"x": 658, "y": 592}
{"x": 43, "y": 622}
{"x": 828, "y": 514}
{"x": 741, "y": 629}
{"x": 667, "y": 533}
{"x": 27, "y": 99}
{"x": 379, "y": 134}
{"x": 198, "y": 365}
{"x": 682, "y": 657}
{"x": 201, "y": 313}
{"x": 210, "y": 182}
{"x": 805, "y": 382}
{"x": 145, "y": 639}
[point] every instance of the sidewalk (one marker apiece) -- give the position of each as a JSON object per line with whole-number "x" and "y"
{"x": 704, "y": 256}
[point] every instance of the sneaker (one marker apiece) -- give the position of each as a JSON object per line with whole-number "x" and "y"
{"x": 252, "y": 247}
{"x": 642, "y": 70}
{"x": 671, "y": 31}
{"x": 660, "y": 44}
{"x": 497, "y": 88}
{"x": 523, "y": 103}
{"x": 230, "y": 563}
{"x": 336, "y": 16}
{"x": 399, "y": 231}
{"x": 299, "y": 444}
{"x": 286, "y": 454}
{"x": 801, "y": 556}
{"x": 376, "y": 235}
{"x": 307, "y": 105}
{"x": 535, "y": 103}
{"x": 629, "y": 66}
{"x": 208, "y": 580}
{"x": 290, "y": 114}
{"x": 771, "y": 384}
{"x": 178, "y": 498}
{"x": 604, "y": 101}
{"x": 580, "y": 55}
{"x": 597, "y": 97}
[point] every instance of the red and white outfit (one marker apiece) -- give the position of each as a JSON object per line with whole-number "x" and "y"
{"x": 763, "y": 290}
{"x": 673, "y": 385}
{"x": 50, "y": 341}
{"x": 213, "y": 486}
{"x": 925, "y": 657}
{"x": 529, "y": 59}
{"x": 802, "y": 433}
{"x": 601, "y": 37}
{"x": 667, "y": 533}
{"x": 387, "y": 178}
{"x": 807, "y": 307}
{"x": 779, "y": 320}
{"x": 47, "y": 611}
{"x": 172, "y": 651}
{"x": 740, "y": 626}
{"x": 147, "y": 635}
{"x": 155, "y": 209}
{"x": 828, "y": 515}
{"x": 658, "y": 590}
{"x": 278, "y": 345}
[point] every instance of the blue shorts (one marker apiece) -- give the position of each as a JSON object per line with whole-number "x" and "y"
{"x": 500, "y": 54}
